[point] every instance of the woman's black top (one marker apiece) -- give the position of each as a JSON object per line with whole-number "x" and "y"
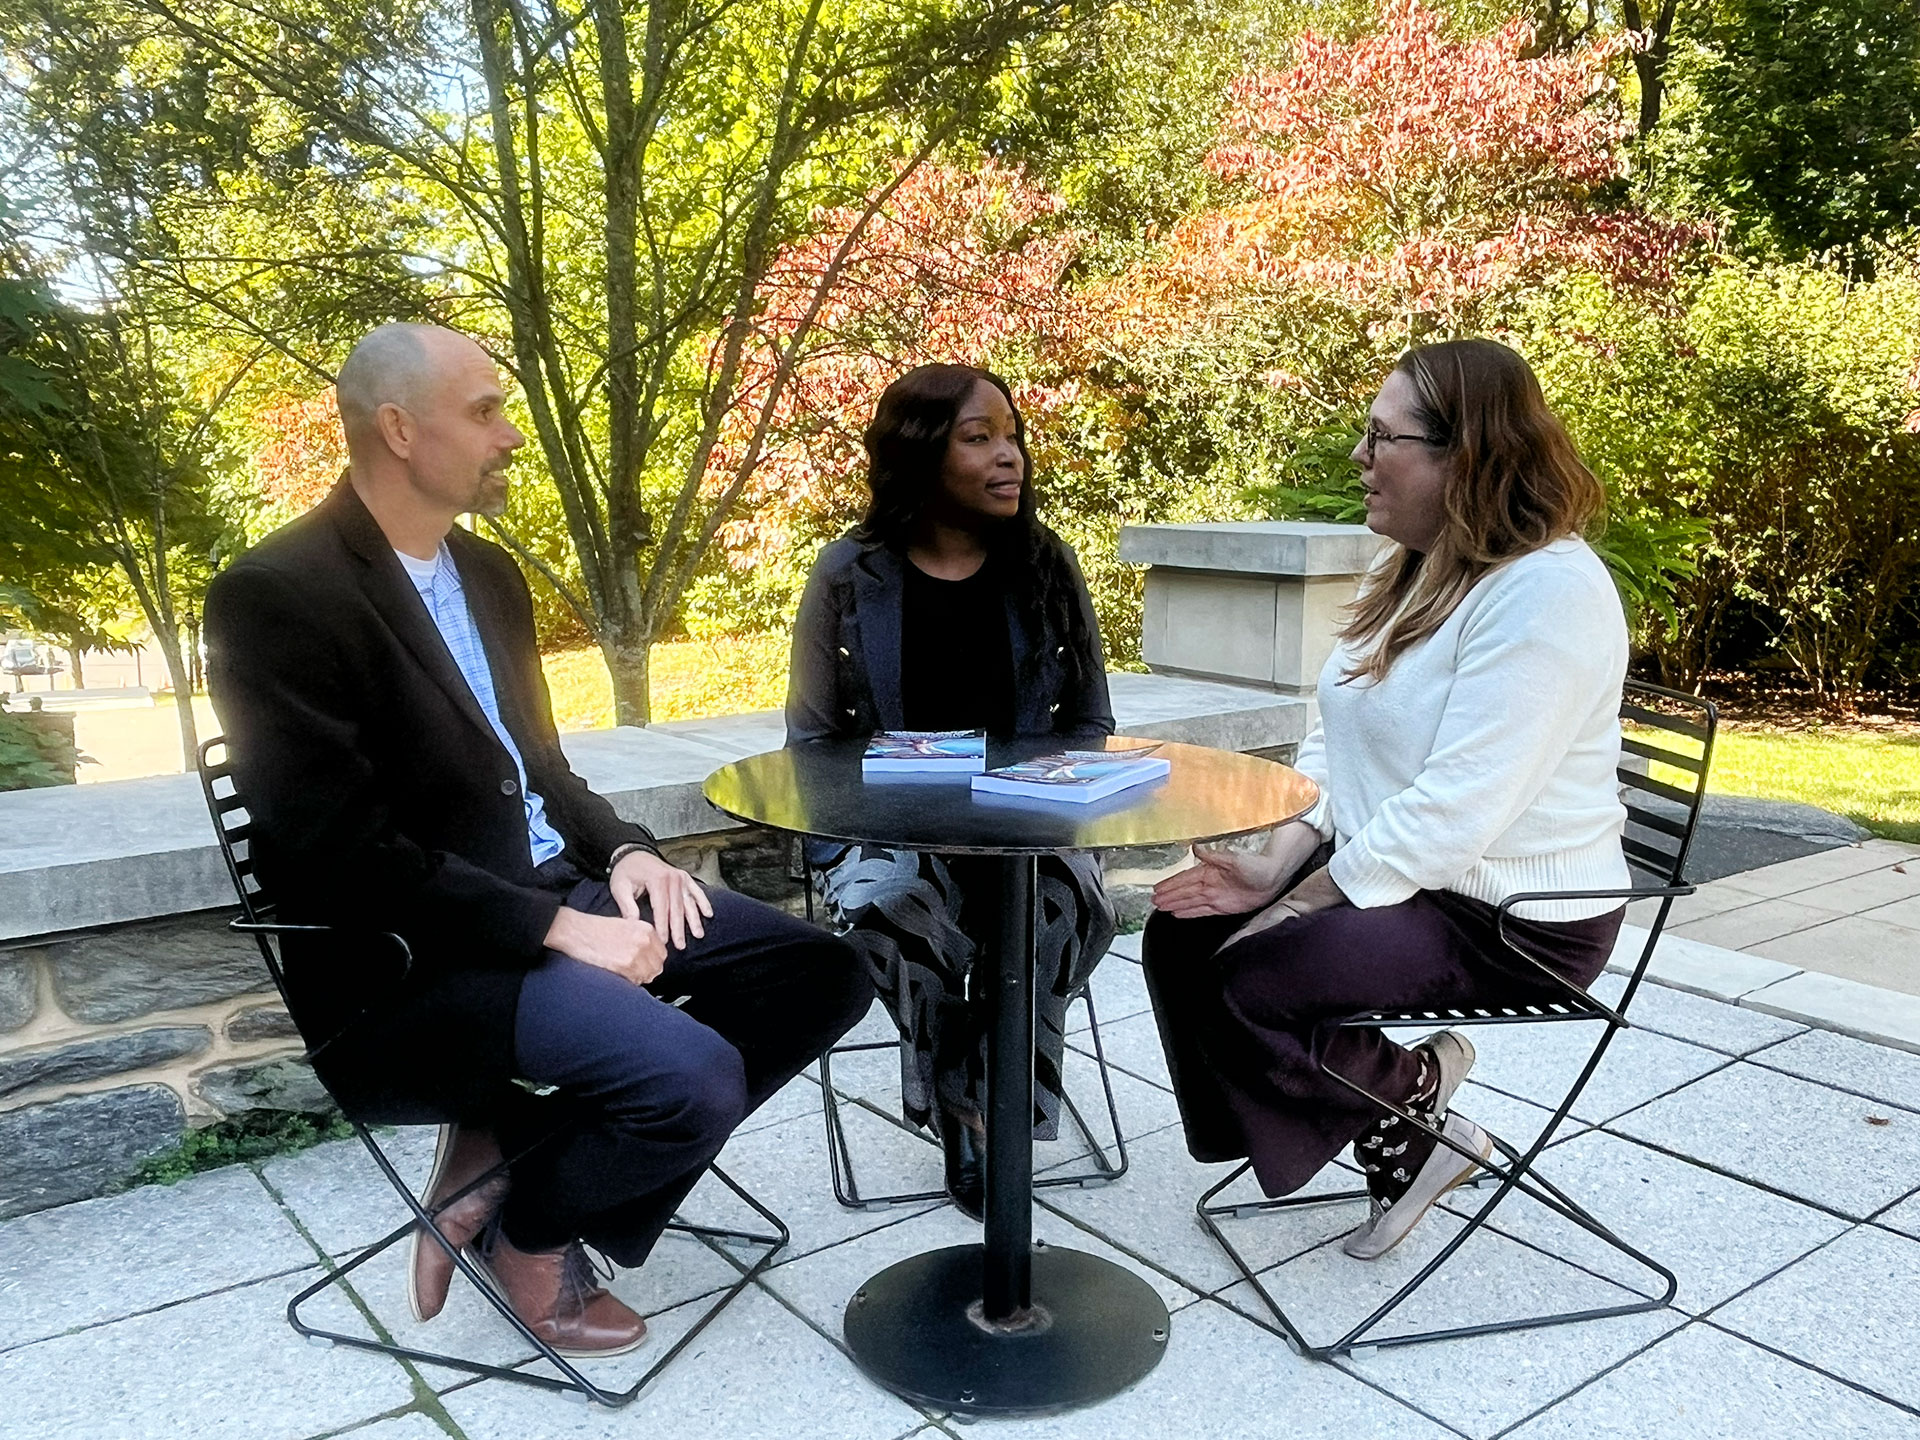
{"x": 956, "y": 658}
{"x": 875, "y": 648}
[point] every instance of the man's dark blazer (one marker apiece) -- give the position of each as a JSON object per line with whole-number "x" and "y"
{"x": 381, "y": 799}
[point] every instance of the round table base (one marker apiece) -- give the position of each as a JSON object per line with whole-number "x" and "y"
{"x": 1095, "y": 1329}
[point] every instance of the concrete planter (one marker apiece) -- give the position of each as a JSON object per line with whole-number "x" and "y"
{"x": 1254, "y": 603}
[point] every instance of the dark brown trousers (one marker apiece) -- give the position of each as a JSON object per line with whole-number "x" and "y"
{"x": 1246, "y": 1027}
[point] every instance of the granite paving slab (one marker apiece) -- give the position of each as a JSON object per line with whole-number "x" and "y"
{"x": 1119, "y": 988}
{"x": 1871, "y": 949}
{"x": 757, "y": 1373}
{"x": 1150, "y": 1213}
{"x": 1128, "y": 945}
{"x": 340, "y": 1197}
{"x": 1541, "y": 1062}
{"x": 1807, "y": 1140}
{"x": 799, "y": 1096}
{"x": 1717, "y": 1235}
{"x": 1747, "y": 925}
{"x": 103, "y": 1259}
{"x": 225, "y": 1367}
{"x": 1848, "y": 1064}
{"x": 821, "y": 1285}
{"x": 411, "y": 1426}
{"x": 1848, "y": 1309}
{"x": 1518, "y": 1122}
{"x": 1479, "y": 1385}
{"x": 1710, "y": 970}
{"x": 1225, "y": 1378}
{"x": 1789, "y": 877}
{"x": 785, "y": 1165}
{"x": 1707, "y": 1385}
{"x": 1132, "y": 1045}
{"x": 1730, "y": 1029}
{"x": 1904, "y": 1217}
{"x": 1833, "y": 1002}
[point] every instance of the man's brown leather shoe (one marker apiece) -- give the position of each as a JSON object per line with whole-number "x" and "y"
{"x": 556, "y": 1294}
{"x": 462, "y": 1155}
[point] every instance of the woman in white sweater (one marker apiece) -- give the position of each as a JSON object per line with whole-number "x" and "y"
{"x": 1466, "y": 752}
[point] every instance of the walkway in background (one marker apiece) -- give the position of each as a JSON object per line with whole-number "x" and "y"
{"x": 1852, "y": 912}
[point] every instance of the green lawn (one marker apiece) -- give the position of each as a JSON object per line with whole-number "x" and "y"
{"x": 1870, "y": 778}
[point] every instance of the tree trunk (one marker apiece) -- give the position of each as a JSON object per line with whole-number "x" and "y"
{"x": 628, "y": 656}
{"x": 79, "y": 670}
{"x": 168, "y": 637}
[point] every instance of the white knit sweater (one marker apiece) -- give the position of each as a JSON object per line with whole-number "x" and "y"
{"x": 1484, "y": 762}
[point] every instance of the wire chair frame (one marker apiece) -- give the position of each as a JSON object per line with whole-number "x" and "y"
{"x": 233, "y": 828}
{"x": 1662, "y": 817}
{"x": 840, "y": 1162}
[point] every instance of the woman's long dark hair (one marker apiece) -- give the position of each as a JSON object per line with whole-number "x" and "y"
{"x": 907, "y": 449}
{"x": 906, "y": 453}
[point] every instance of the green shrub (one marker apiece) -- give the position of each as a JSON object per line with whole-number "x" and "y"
{"x": 33, "y": 754}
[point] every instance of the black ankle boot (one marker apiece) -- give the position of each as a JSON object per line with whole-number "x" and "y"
{"x": 966, "y": 1169}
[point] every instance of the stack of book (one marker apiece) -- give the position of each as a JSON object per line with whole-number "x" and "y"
{"x": 925, "y": 752}
{"x": 1076, "y": 776}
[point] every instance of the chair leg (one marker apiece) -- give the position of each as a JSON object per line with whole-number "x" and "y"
{"x": 573, "y": 1382}
{"x": 846, "y": 1187}
{"x": 1517, "y": 1174}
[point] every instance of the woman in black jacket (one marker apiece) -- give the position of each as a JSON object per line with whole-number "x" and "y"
{"x": 951, "y": 607}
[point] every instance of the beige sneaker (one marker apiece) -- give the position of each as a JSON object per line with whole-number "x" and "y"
{"x": 1388, "y": 1225}
{"x": 1454, "y": 1054}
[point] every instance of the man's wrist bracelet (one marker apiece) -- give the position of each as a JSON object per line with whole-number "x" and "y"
{"x": 620, "y": 852}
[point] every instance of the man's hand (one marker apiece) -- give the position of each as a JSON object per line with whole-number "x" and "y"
{"x": 677, "y": 900}
{"x": 626, "y": 945}
{"x": 1316, "y": 892}
{"x": 1232, "y": 882}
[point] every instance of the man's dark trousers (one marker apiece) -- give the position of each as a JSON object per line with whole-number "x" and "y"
{"x": 652, "y": 1089}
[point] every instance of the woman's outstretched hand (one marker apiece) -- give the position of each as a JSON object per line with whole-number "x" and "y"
{"x": 1237, "y": 882}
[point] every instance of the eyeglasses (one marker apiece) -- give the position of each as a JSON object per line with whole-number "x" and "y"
{"x": 1376, "y": 437}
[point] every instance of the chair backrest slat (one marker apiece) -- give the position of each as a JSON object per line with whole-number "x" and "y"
{"x": 233, "y": 828}
{"x": 1674, "y": 733}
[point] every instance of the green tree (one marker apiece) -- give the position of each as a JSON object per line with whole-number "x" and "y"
{"x": 597, "y": 188}
{"x": 1803, "y": 132}
{"x": 104, "y": 461}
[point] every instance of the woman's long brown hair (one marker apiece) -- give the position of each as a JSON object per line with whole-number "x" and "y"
{"x": 1514, "y": 484}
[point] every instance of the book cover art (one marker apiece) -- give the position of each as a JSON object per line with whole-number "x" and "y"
{"x": 911, "y": 751}
{"x": 1075, "y": 775}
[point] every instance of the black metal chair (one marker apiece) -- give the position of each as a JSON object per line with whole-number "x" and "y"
{"x": 1669, "y": 731}
{"x": 846, "y": 1185}
{"x": 232, "y": 826}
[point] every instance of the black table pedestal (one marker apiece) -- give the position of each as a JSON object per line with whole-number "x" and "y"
{"x": 1002, "y": 1328}
{"x": 1092, "y": 1330}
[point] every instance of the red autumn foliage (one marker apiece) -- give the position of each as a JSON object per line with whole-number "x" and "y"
{"x": 956, "y": 266}
{"x": 1412, "y": 173}
{"x": 304, "y": 451}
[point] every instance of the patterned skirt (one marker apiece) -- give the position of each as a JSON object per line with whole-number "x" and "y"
{"x": 920, "y": 922}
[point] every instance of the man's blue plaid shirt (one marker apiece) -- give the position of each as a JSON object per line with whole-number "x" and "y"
{"x": 438, "y": 581}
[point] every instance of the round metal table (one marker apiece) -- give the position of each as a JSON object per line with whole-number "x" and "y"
{"x": 1003, "y": 1328}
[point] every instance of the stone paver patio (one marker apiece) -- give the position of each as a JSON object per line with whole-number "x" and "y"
{"x": 1774, "y": 1164}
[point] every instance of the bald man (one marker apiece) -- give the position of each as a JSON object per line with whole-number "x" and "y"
{"x": 375, "y": 670}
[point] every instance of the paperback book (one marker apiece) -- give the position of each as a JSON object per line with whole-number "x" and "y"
{"x": 925, "y": 752}
{"x": 1075, "y": 776}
